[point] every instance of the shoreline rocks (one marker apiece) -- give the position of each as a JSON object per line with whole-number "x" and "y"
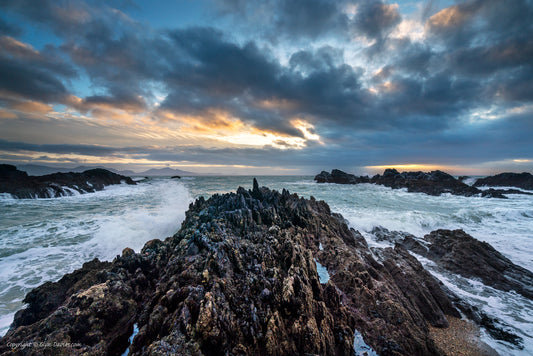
{"x": 519, "y": 180}
{"x": 460, "y": 253}
{"x": 240, "y": 277}
{"x": 22, "y": 186}
{"x": 431, "y": 183}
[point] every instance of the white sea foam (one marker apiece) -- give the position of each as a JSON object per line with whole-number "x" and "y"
{"x": 5, "y": 322}
{"x": 43, "y": 239}
{"x": 360, "y": 347}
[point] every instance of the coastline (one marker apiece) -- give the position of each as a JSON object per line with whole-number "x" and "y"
{"x": 292, "y": 232}
{"x": 297, "y": 184}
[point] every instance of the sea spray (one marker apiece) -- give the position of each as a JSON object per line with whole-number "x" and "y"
{"x": 42, "y": 239}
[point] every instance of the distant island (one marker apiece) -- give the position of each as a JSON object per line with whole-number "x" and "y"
{"x": 435, "y": 182}
{"x": 37, "y": 170}
{"x": 23, "y": 186}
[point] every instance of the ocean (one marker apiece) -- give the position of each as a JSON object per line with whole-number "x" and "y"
{"x": 42, "y": 239}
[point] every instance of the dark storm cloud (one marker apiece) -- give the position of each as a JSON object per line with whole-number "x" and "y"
{"x": 295, "y": 19}
{"x": 311, "y": 18}
{"x": 63, "y": 16}
{"x": 212, "y": 72}
{"x": 470, "y": 21}
{"x": 375, "y": 18}
{"x": 211, "y": 62}
{"x": 491, "y": 42}
{"x": 18, "y": 78}
{"x": 477, "y": 54}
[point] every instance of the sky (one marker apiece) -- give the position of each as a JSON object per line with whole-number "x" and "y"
{"x": 268, "y": 87}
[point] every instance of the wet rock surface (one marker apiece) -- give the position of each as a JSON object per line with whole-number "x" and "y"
{"x": 240, "y": 278}
{"x": 20, "y": 185}
{"x": 520, "y": 180}
{"x": 457, "y": 252}
{"x": 460, "y": 253}
{"x": 431, "y": 183}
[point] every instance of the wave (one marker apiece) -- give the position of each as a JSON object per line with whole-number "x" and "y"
{"x": 46, "y": 238}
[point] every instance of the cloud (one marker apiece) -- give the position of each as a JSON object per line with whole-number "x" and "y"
{"x": 62, "y": 16}
{"x": 369, "y": 91}
{"x": 35, "y": 83}
{"x": 374, "y": 18}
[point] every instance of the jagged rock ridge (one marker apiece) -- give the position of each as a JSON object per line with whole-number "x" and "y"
{"x": 240, "y": 278}
{"x": 20, "y": 185}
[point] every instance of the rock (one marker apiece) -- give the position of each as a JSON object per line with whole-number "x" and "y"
{"x": 22, "y": 186}
{"x": 460, "y": 253}
{"x": 431, "y": 183}
{"x": 457, "y": 252}
{"x": 240, "y": 277}
{"x": 175, "y": 177}
{"x": 340, "y": 177}
{"x": 520, "y": 180}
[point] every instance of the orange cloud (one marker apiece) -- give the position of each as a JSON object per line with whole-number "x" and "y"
{"x": 276, "y": 104}
{"x": 5, "y": 114}
{"x": 222, "y": 126}
{"x": 17, "y": 48}
{"x": 31, "y": 107}
{"x": 84, "y": 105}
{"x": 452, "y": 16}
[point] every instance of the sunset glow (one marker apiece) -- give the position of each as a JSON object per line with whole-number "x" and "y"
{"x": 350, "y": 84}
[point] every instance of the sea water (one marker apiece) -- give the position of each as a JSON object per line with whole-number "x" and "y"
{"x": 42, "y": 239}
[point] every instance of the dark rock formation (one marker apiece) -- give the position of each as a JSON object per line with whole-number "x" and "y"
{"x": 20, "y": 185}
{"x": 340, "y": 177}
{"x": 240, "y": 278}
{"x": 457, "y": 252}
{"x": 460, "y": 253}
{"x": 431, "y": 183}
{"x": 175, "y": 177}
{"x": 520, "y": 180}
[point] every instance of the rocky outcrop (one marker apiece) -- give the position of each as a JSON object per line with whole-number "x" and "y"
{"x": 240, "y": 278}
{"x": 22, "y": 186}
{"x": 457, "y": 252}
{"x": 520, "y": 180}
{"x": 431, "y": 183}
{"x": 460, "y": 253}
{"x": 340, "y": 177}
